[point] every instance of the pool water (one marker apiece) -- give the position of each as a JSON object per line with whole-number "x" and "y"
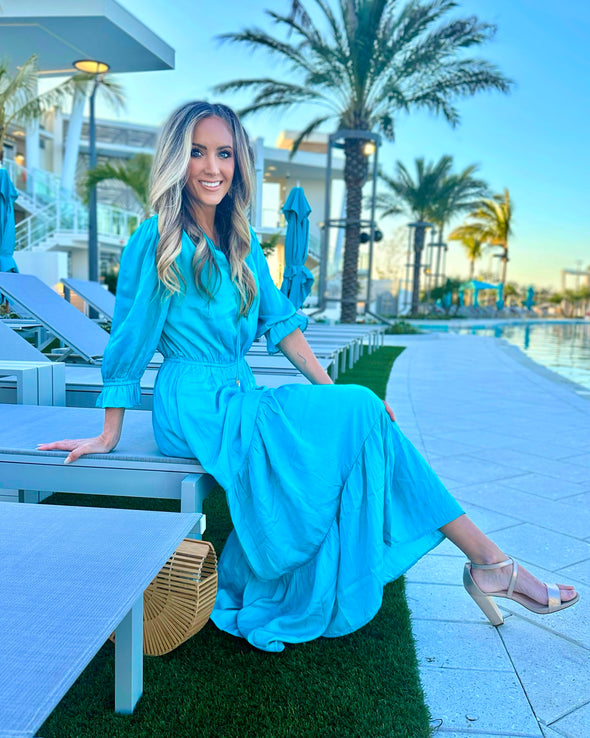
{"x": 561, "y": 347}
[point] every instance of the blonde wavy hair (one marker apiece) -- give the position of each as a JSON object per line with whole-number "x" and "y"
{"x": 171, "y": 201}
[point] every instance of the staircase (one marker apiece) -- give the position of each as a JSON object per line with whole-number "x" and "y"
{"x": 59, "y": 220}
{"x": 64, "y": 224}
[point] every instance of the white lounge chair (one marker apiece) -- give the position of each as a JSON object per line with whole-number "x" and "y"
{"x": 81, "y": 336}
{"x": 93, "y": 294}
{"x": 136, "y": 468}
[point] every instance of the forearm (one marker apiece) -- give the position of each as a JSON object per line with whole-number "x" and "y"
{"x": 113, "y": 424}
{"x": 298, "y": 351}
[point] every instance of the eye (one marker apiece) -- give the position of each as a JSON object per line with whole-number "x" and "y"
{"x": 225, "y": 154}
{"x": 195, "y": 153}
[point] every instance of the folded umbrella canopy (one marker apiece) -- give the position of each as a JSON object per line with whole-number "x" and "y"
{"x": 297, "y": 279}
{"x": 8, "y": 195}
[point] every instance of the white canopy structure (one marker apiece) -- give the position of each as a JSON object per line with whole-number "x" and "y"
{"x": 61, "y": 32}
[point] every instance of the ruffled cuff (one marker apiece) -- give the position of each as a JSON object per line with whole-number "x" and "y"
{"x": 278, "y": 331}
{"x": 122, "y": 394}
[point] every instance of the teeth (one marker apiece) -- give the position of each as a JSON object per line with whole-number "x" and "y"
{"x": 212, "y": 185}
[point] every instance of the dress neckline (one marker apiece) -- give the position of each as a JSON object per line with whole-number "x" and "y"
{"x": 210, "y": 241}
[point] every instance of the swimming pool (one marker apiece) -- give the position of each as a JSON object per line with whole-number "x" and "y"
{"x": 563, "y": 347}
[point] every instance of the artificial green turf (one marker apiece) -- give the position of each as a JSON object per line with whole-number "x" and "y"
{"x": 363, "y": 685}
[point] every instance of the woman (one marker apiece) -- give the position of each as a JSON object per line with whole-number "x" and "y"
{"x": 329, "y": 501}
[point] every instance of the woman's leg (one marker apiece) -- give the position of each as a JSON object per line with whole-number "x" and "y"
{"x": 479, "y": 549}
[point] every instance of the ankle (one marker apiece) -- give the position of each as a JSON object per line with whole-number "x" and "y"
{"x": 487, "y": 558}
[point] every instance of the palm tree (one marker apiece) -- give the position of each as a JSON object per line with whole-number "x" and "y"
{"x": 414, "y": 197}
{"x": 365, "y": 61}
{"x": 491, "y": 223}
{"x": 474, "y": 248}
{"x": 20, "y": 104}
{"x": 432, "y": 198}
{"x": 134, "y": 172}
{"x": 459, "y": 193}
{"x": 19, "y": 101}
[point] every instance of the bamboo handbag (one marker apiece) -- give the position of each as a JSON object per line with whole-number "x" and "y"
{"x": 179, "y": 600}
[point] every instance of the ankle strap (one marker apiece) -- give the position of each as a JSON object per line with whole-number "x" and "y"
{"x": 499, "y": 565}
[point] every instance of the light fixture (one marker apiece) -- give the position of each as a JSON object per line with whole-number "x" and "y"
{"x": 91, "y": 66}
{"x": 369, "y": 148}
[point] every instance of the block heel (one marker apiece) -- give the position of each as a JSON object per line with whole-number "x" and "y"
{"x": 484, "y": 601}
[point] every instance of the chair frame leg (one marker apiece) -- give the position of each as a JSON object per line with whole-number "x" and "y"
{"x": 194, "y": 489}
{"x": 129, "y": 659}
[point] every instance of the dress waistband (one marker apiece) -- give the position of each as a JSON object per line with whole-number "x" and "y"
{"x": 202, "y": 362}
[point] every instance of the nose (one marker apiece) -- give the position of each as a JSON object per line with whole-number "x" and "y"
{"x": 211, "y": 164}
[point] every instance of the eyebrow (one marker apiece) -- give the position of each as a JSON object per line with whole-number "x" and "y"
{"x": 202, "y": 146}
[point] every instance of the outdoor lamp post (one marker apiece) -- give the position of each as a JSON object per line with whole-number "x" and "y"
{"x": 98, "y": 69}
{"x": 371, "y": 143}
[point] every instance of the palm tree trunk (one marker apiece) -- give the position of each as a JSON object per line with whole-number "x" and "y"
{"x": 355, "y": 175}
{"x": 504, "y": 265}
{"x": 419, "y": 235}
{"x": 471, "y": 269}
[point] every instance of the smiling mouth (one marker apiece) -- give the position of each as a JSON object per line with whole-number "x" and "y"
{"x": 210, "y": 185}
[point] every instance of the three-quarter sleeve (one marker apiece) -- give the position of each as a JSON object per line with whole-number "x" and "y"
{"x": 277, "y": 316}
{"x": 140, "y": 313}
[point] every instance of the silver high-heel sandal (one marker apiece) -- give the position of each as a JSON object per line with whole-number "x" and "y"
{"x": 489, "y": 607}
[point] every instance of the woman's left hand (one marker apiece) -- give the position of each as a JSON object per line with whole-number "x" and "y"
{"x": 389, "y": 411}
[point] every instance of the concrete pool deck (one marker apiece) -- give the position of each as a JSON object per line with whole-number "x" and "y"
{"x": 511, "y": 440}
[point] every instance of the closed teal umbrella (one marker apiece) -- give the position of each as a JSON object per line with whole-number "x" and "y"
{"x": 8, "y": 195}
{"x": 297, "y": 279}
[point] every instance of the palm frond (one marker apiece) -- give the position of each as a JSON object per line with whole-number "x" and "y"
{"x": 314, "y": 125}
{"x": 327, "y": 62}
{"x": 490, "y": 221}
{"x": 134, "y": 173}
{"x": 257, "y": 39}
{"x": 17, "y": 90}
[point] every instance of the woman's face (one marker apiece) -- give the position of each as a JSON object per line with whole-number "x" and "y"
{"x": 212, "y": 163}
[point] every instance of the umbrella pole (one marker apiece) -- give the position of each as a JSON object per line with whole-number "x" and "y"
{"x": 325, "y": 232}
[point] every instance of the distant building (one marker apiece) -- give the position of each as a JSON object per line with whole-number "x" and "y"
{"x": 581, "y": 277}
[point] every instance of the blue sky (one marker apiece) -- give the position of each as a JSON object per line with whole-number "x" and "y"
{"x": 534, "y": 141}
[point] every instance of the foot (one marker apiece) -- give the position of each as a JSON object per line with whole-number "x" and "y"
{"x": 498, "y": 580}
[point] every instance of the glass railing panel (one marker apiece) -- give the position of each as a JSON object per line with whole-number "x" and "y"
{"x": 18, "y": 174}
{"x": 45, "y": 187}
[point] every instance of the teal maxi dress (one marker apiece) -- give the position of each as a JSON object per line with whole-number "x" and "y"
{"x": 328, "y": 499}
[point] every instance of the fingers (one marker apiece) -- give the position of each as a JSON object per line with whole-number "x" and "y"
{"x": 389, "y": 411}
{"x": 77, "y": 447}
{"x": 65, "y": 445}
{"x": 76, "y": 453}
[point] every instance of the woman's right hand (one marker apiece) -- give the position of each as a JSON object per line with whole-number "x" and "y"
{"x": 108, "y": 439}
{"x": 79, "y": 447}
